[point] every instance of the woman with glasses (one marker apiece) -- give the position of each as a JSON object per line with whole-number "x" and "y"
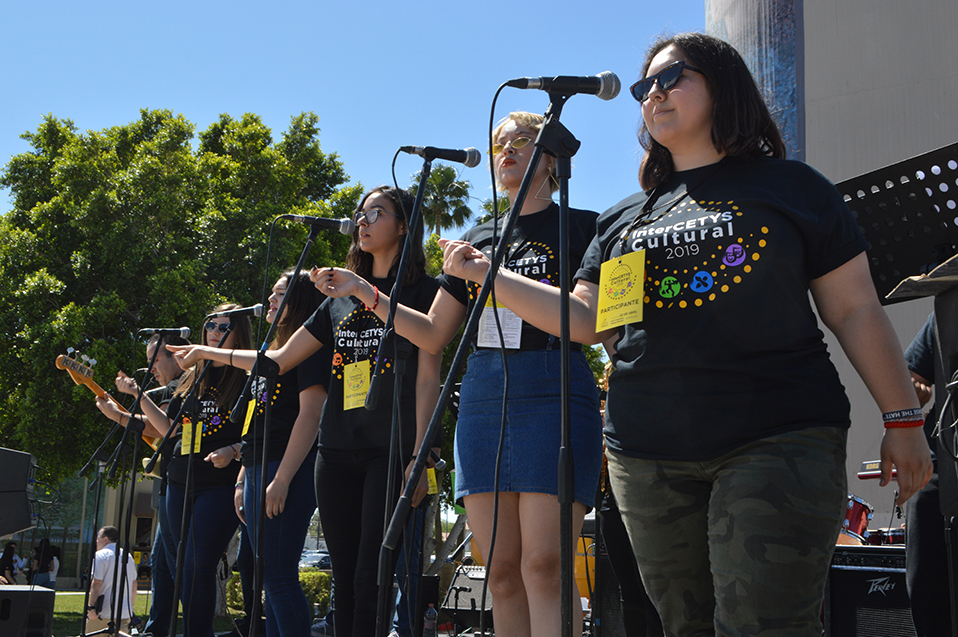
{"x": 525, "y": 564}
{"x": 352, "y": 465}
{"x": 725, "y": 419}
{"x": 215, "y": 450}
{"x": 296, "y": 403}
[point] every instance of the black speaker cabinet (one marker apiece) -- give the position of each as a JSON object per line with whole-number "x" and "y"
{"x": 865, "y": 594}
{"x": 17, "y": 475}
{"x": 26, "y": 611}
{"x": 464, "y": 597}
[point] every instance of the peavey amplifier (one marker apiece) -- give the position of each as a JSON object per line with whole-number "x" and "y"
{"x": 865, "y": 594}
{"x": 464, "y": 597}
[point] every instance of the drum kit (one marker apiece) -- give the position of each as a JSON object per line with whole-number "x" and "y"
{"x": 855, "y": 531}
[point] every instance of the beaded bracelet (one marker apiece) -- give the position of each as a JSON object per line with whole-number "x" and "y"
{"x": 375, "y": 301}
{"x": 910, "y": 422}
{"x": 902, "y": 413}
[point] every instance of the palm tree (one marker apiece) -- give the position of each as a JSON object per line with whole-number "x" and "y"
{"x": 445, "y": 200}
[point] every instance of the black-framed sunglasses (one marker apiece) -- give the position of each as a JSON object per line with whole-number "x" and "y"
{"x": 212, "y": 326}
{"x": 666, "y": 78}
{"x": 517, "y": 143}
{"x": 371, "y": 215}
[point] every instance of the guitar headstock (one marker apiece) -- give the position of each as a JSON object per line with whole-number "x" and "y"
{"x": 80, "y": 372}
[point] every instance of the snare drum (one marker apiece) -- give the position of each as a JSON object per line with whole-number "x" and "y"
{"x": 857, "y": 515}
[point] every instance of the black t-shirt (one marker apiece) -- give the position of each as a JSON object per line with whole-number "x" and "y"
{"x": 218, "y": 431}
{"x": 284, "y": 406}
{"x": 353, "y": 334}
{"x": 533, "y": 252}
{"x": 920, "y": 357}
{"x": 161, "y": 396}
{"x": 729, "y": 350}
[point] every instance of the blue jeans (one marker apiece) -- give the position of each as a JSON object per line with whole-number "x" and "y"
{"x": 409, "y": 577}
{"x": 287, "y": 611}
{"x": 212, "y": 525}
{"x": 163, "y": 563}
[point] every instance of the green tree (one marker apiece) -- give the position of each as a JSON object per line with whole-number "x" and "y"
{"x": 114, "y": 230}
{"x": 446, "y": 199}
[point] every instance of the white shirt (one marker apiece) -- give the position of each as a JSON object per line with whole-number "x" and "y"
{"x": 103, "y": 564}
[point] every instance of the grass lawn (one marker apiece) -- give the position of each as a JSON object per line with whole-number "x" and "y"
{"x": 68, "y": 611}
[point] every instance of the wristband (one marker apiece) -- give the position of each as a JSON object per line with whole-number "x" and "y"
{"x": 902, "y": 413}
{"x": 901, "y": 424}
{"x": 231, "y": 357}
{"x": 237, "y": 485}
{"x": 375, "y": 300}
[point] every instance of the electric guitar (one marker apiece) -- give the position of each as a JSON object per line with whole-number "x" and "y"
{"x": 83, "y": 375}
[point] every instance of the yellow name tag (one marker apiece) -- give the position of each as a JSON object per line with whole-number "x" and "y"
{"x": 355, "y": 384}
{"x": 431, "y": 478}
{"x": 621, "y": 294}
{"x": 249, "y": 415}
{"x": 188, "y": 438}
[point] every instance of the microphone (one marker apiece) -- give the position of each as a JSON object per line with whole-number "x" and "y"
{"x": 255, "y": 310}
{"x": 605, "y": 85}
{"x": 344, "y": 226}
{"x": 470, "y": 156}
{"x": 166, "y": 331}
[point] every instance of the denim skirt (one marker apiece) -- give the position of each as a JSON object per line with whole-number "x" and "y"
{"x": 532, "y": 431}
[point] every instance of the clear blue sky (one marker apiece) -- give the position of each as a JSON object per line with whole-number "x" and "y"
{"x": 379, "y": 74}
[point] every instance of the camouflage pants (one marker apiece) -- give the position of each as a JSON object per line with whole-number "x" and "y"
{"x": 738, "y": 545}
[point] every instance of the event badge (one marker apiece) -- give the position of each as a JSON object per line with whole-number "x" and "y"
{"x": 621, "y": 291}
{"x": 188, "y": 439}
{"x": 355, "y": 384}
{"x": 431, "y": 478}
{"x": 249, "y": 415}
{"x": 488, "y": 335}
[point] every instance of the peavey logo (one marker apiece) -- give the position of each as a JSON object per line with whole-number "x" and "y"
{"x": 883, "y": 586}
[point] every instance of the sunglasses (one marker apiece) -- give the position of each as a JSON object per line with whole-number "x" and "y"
{"x": 517, "y": 143}
{"x": 666, "y": 78}
{"x": 371, "y": 215}
{"x": 222, "y": 328}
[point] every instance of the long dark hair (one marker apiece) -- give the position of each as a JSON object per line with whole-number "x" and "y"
{"x": 234, "y": 379}
{"x": 301, "y": 302}
{"x": 362, "y": 262}
{"x": 8, "y": 551}
{"x": 741, "y": 123}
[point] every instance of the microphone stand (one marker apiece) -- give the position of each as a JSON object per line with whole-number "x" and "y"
{"x": 96, "y": 484}
{"x": 270, "y": 372}
{"x": 189, "y": 401}
{"x": 563, "y": 145}
{"x": 383, "y": 611}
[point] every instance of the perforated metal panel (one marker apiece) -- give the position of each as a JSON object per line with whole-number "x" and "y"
{"x": 909, "y": 214}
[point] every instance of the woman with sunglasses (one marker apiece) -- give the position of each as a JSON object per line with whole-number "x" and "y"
{"x": 725, "y": 420}
{"x": 352, "y": 466}
{"x": 215, "y": 463}
{"x": 525, "y": 564}
{"x": 296, "y": 403}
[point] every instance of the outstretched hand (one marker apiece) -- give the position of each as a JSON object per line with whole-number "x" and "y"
{"x": 338, "y": 282}
{"x": 187, "y": 356}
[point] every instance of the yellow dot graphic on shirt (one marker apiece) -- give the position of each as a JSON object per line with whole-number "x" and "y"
{"x": 712, "y": 296}
{"x": 683, "y": 304}
{"x": 762, "y": 243}
{"x": 736, "y": 208}
{"x": 764, "y": 230}
{"x": 698, "y": 302}
{"x": 659, "y": 304}
{"x": 725, "y": 288}
{"x": 737, "y": 279}
{"x": 647, "y": 299}
{"x": 747, "y": 268}
{"x": 741, "y": 240}
{"x": 755, "y": 257}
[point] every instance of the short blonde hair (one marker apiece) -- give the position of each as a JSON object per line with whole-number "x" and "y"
{"x": 529, "y": 120}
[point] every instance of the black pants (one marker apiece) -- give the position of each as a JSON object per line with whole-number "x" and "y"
{"x": 352, "y": 499}
{"x": 926, "y": 559}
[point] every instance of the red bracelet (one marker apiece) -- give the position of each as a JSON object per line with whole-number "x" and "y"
{"x": 911, "y": 422}
{"x": 375, "y": 301}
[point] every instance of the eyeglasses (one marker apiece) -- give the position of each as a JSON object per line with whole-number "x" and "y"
{"x": 666, "y": 78}
{"x": 371, "y": 215}
{"x": 517, "y": 143}
{"x": 222, "y": 328}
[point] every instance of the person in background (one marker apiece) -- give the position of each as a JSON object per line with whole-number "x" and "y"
{"x": 926, "y": 551}
{"x": 104, "y": 562}
{"x": 7, "y": 567}
{"x": 42, "y": 564}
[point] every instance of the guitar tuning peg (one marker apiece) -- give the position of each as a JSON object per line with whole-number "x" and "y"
{"x": 84, "y": 358}
{"x": 70, "y": 351}
{"x": 92, "y": 362}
